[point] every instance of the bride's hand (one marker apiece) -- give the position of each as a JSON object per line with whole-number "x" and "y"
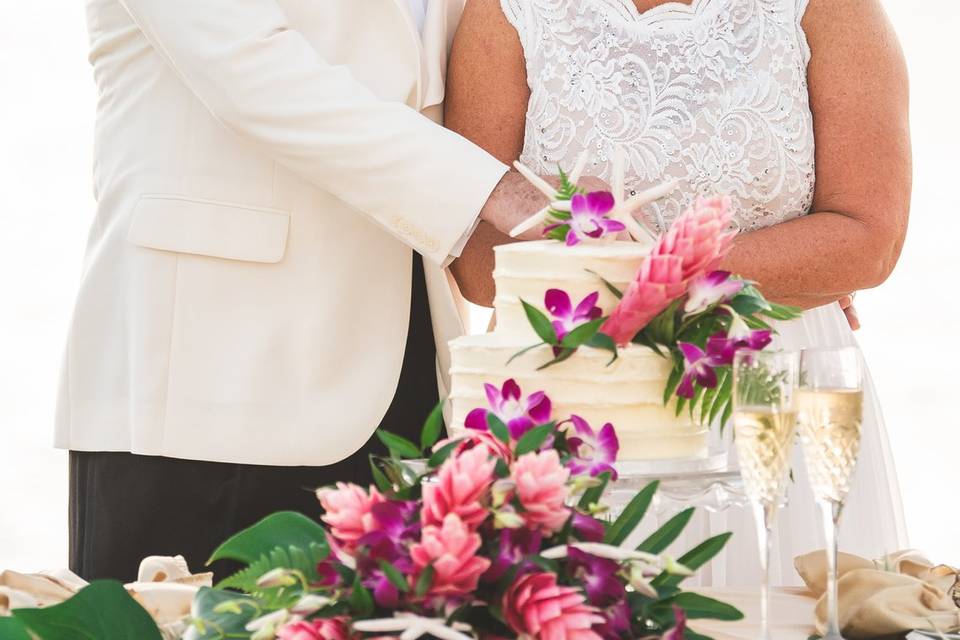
{"x": 514, "y": 200}
{"x": 850, "y": 311}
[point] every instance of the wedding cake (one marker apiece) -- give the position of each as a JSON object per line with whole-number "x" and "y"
{"x": 627, "y": 392}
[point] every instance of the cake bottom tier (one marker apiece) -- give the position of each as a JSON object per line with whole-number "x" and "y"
{"x": 627, "y": 392}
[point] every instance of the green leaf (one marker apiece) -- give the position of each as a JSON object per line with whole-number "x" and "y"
{"x": 694, "y": 559}
{"x": 621, "y": 529}
{"x": 394, "y": 576}
{"x": 424, "y": 581}
{"x": 379, "y": 478}
{"x": 281, "y": 529}
{"x": 612, "y": 288}
{"x": 432, "y": 428}
{"x": 698, "y": 607}
{"x": 361, "y": 602}
{"x": 582, "y": 334}
{"x": 303, "y": 559}
{"x": 212, "y": 625}
{"x": 593, "y": 494}
{"x": 643, "y": 339}
{"x": 498, "y": 428}
{"x": 523, "y": 351}
{"x": 399, "y": 446}
{"x": 13, "y": 629}
{"x": 606, "y": 343}
{"x": 673, "y": 381}
{"x": 668, "y": 533}
{"x": 724, "y": 389}
{"x": 440, "y": 455}
{"x": 540, "y": 323}
{"x": 533, "y": 439}
{"x": 564, "y": 355}
{"x": 102, "y": 610}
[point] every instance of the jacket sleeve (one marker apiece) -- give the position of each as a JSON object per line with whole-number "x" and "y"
{"x": 259, "y": 77}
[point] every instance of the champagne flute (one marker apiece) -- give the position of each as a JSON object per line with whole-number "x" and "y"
{"x": 764, "y": 422}
{"x": 830, "y": 404}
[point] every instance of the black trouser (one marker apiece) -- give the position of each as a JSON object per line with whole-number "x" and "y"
{"x": 124, "y": 507}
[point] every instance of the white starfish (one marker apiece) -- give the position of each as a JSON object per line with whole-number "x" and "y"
{"x": 546, "y": 189}
{"x": 414, "y": 627}
{"x": 624, "y": 206}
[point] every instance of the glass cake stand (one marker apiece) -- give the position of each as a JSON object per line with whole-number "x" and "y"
{"x": 712, "y": 483}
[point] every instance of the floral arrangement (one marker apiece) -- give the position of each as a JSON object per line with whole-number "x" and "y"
{"x": 500, "y": 533}
{"x": 497, "y": 534}
{"x": 680, "y": 304}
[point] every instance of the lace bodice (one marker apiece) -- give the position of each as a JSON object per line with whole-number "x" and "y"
{"x": 713, "y": 94}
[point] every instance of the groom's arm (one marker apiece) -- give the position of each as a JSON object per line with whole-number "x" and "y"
{"x": 260, "y": 78}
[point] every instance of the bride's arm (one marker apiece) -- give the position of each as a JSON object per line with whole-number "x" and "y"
{"x": 486, "y": 102}
{"x": 859, "y": 98}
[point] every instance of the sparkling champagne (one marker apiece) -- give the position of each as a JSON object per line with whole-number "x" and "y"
{"x": 764, "y": 437}
{"x": 830, "y": 422}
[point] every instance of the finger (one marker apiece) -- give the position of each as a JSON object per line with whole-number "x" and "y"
{"x": 852, "y": 318}
{"x": 846, "y": 302}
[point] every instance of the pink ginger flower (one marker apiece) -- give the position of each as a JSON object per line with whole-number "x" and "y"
{"x": 452, "y": 550}
{"x": 479, "y": 439}
{"x": 317, "y": 629}
{"x": 461, "y": 486}
{"x": 535, "y": 606}
{"x": 349, "y": 512}
{"x": 541, "y": 487}
{"x": 694, "y": 245}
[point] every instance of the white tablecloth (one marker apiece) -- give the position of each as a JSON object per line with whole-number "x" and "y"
{"x": 791, "y": 614}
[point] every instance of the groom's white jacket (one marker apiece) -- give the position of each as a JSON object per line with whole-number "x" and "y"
{"x": 262, "y": 174}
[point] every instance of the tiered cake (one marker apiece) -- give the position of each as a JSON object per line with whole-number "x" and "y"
{"x": 627, "y": 392}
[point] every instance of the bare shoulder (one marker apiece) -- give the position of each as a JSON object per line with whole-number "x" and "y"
{"x": 861, "y": 27}
{"x": 487, "y": 91}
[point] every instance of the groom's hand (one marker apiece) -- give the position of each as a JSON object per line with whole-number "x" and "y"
{"x": 514, "y": 200}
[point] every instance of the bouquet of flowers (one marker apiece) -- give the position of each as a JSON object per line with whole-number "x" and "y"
{"x": 497, "y": 534}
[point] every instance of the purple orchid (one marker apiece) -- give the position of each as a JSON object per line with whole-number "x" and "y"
{"x": 399, "y": 526}
{"x": 566, "y": 318}
{"x": 515, "y": 546}
{"x": 599, "y": 577}
{"x": 592, "y": 452}
{"x": 723, "y": 347}
{"x": 679, "y": 630}
{"x": 617, "y": 621}
{"x": 589, "y": 217}
{"x": 709, "y": 289}
{"x": 327, "y": 575}
{"x": 699, "y": 365}
{"x": 588, "y": 528}
{"x": 509, "y": 405}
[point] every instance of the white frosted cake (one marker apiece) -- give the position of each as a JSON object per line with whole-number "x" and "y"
{"x": 627, "y": 392}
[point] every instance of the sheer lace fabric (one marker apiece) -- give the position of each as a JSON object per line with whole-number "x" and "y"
{"x": 712, "y": 94}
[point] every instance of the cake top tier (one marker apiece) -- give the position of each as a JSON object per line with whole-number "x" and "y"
{"x": 526, "y": 270}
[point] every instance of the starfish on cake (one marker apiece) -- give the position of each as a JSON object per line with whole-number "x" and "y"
{"x": 624, "y": 205}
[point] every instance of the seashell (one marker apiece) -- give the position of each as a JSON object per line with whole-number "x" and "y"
{"x": 166, "y": 602}
{"x": 163, "y": 569}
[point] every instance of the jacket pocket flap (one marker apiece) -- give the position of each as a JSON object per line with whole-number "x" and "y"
{"x": 209, "y": 228}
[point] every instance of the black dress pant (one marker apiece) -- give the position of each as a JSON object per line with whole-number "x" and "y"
{"x": 124, "y": 507}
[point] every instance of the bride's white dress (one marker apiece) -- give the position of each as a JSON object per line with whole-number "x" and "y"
{"x": 713, "y": 94}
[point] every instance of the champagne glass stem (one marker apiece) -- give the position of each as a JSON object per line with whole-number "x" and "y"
{"x": 764, "y": 519}
{"x": 831, "y": 521}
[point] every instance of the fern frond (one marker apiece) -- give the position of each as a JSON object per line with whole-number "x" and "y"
{"x": 297, "y": 558}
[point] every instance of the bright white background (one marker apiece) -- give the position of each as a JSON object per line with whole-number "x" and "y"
{"x": 46, "y": 108}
